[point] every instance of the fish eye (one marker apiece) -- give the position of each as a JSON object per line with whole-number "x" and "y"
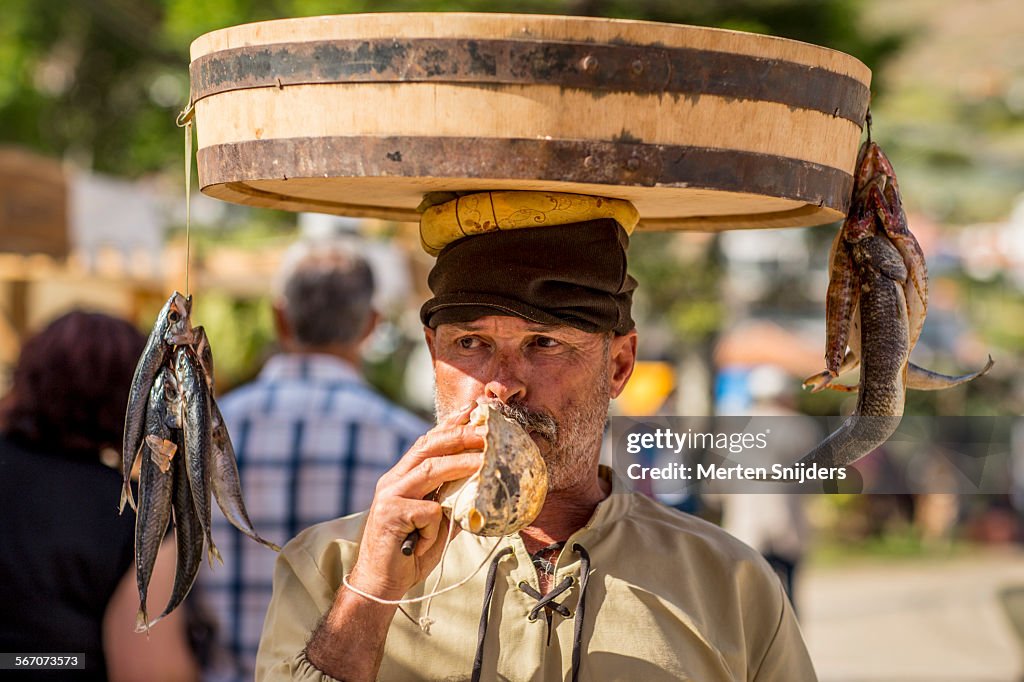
{"x": 174, "y": 316}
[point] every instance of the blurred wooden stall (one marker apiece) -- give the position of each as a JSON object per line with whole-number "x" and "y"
{"x": 42, "y": 274}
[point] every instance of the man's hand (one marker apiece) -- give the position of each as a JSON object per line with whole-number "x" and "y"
{"x": 398, "y": 508}
{"x": 349, "y": 642}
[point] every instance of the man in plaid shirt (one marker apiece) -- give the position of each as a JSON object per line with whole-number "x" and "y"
{"x": 311, "y": 437}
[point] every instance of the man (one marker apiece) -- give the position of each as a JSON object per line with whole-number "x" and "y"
{"x": 311, "y": 437}
{"x": 605, "y": 584}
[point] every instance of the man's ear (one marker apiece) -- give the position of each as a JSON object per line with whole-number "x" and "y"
{"x": 428, "y": 335}
{"x": 371, "y": 323}
{"x": 621, "y": 360}
{"x": 282, "y": 328}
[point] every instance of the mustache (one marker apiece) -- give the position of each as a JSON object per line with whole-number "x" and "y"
{"x": 541, "y": 423}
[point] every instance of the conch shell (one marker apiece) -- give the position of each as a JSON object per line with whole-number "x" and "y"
{"x": 508, "y": 491}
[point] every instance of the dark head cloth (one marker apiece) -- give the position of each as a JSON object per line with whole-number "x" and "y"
{"x": 570, "y": 274}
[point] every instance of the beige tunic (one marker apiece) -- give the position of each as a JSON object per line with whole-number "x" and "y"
{"x": 670, "y": 597}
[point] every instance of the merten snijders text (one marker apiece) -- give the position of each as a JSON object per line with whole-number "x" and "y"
{"x": 796, "y": 473}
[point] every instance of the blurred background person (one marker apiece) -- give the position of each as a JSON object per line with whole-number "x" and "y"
{"x": 310, "y": 435}
{"x": 775, "y": 524}
{"x": 66, "y": 556}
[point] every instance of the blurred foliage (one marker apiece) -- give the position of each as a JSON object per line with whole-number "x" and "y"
{"x": 952, "y": 114}
{"x": 243, "y": 228}
{"x": 998, "y": 310}
{"x": 101, "y": 81}
{"x": 241, "y": 330}
{"x": 679, "y": 291}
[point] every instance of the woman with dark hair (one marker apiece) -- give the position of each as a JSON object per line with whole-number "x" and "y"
{"x": 66, "y": 556}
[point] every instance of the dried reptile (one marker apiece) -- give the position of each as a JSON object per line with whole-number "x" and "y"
{"x": 876, "y": 305}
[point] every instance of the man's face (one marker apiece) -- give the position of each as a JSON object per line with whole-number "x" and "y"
{"x": 555, "y": 380}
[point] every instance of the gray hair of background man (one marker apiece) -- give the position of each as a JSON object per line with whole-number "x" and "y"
{"x": 325, "y": 289}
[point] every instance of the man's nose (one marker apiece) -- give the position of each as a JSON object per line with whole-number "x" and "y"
{"x": 504, "y": 383}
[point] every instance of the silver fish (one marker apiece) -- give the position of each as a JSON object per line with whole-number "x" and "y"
{"x": 188, "y": 534}
{"x": 197, "y": 416}
{"x": 227, "y": 487}
{"x": 155, "y": 482}
{"x": 173, "y": 326}
{"x": 204, "y": 353}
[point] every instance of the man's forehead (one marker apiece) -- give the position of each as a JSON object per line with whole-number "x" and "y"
{"x": 507, "y": 323}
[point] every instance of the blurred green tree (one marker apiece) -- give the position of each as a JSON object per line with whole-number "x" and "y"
{"x": 101, "y": 81}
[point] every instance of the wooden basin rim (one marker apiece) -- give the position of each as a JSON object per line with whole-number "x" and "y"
{"x": 584, "y": 161}
{"x": 676, "y": 71}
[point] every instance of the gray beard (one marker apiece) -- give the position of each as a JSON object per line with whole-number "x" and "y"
{"x": 568, "y": 447}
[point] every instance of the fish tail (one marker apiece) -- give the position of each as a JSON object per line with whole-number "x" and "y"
{"x": 142, "y": 623}
{"x": 251, "y": 533}
{"x": 213, "y": 553}
{"x": 127, "y": 496}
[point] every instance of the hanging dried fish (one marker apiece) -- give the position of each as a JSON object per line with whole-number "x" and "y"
{"x": 188, "y": 537}
{"x": 197, "y": 425}
{"x": 173, "y": 326}
{"x": 155, "y": 482}
{"x": 188, "y": 458}
{"x": 227, "y": 486}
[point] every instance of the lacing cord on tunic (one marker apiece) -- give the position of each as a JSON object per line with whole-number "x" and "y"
{"x": 543, "y": 602}
{"x": 478, "y": 660}
{"x": 577, "y": 630}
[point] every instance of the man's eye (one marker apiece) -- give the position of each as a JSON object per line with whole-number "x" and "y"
{"x": 468, "y": 342}
{"x": 546, "y": 342}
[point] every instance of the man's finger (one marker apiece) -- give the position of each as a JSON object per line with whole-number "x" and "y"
{"x": 430, "y": 548}
{"x": 437, "y": 442}
{"x": 432, "y": 472}
{"x": 460, "y": 416}
{"x": 399, "y": 516}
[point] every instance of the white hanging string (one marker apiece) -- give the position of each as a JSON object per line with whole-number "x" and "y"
{"x": 184, "y": 120}
{"x": 424, "y": 622}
